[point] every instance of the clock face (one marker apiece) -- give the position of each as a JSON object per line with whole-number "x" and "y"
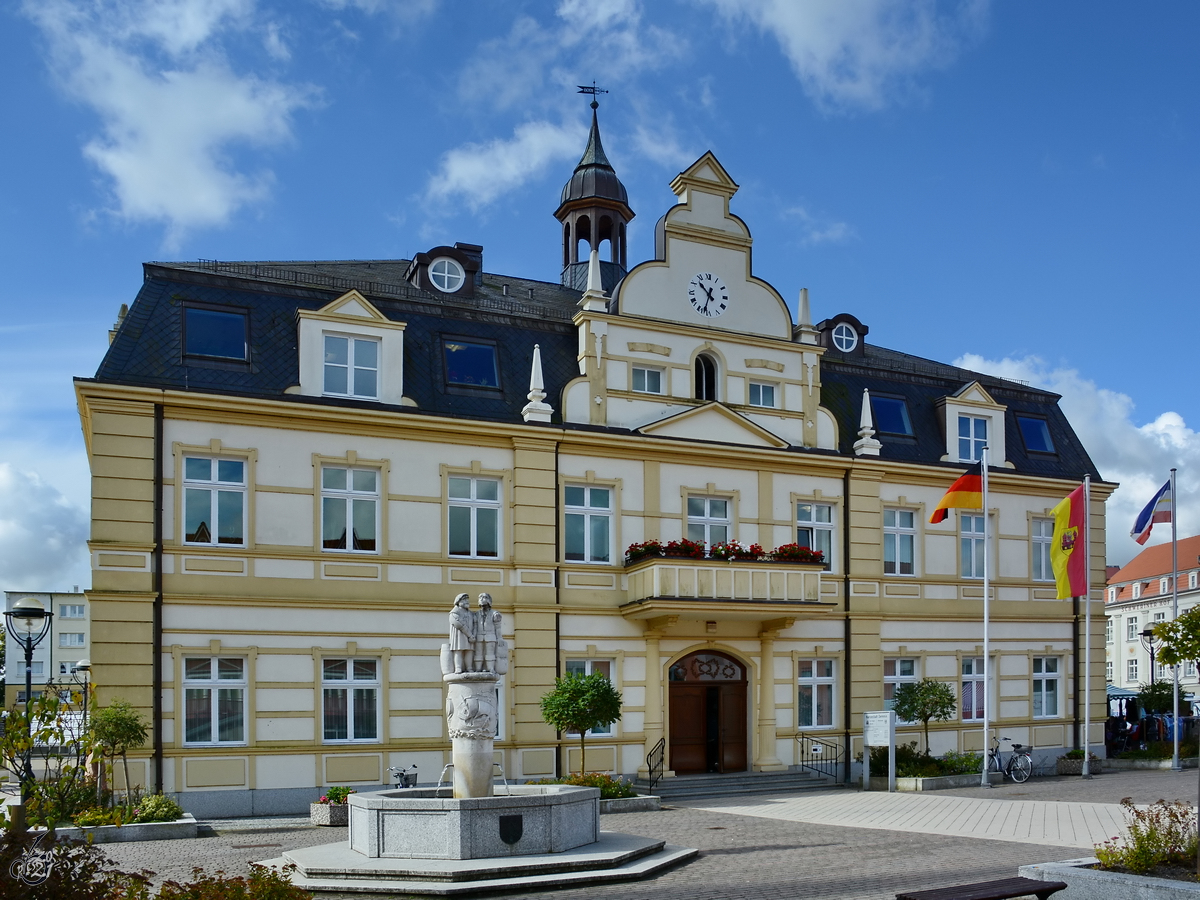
{"x": 708, "y": 295}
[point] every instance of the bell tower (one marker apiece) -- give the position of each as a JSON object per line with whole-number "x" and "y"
{"x": 594, "y": 210}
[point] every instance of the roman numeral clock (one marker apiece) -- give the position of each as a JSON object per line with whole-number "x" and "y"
{"x": 708, "y": 295}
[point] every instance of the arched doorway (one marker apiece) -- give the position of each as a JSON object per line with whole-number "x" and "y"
{"x": 708, "y": 714}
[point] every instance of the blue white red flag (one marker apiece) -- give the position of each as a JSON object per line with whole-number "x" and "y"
{"x": 1157, "y": 510}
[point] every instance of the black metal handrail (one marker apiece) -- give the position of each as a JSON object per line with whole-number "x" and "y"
{"x": 819, "y": 755}
{"x": 654, "y": 762}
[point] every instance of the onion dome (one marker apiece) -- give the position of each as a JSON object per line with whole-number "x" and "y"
{"x": 594, "y": 178}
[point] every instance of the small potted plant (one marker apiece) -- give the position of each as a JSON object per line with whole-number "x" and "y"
{"x": 797, "y": 554}
{"x": 332, "y": 808}
{"x": 642, "y": 551}
{"x": 732, "y": 550}
{"x": 684, "y": 548}
{"x": 1071, "y": 763}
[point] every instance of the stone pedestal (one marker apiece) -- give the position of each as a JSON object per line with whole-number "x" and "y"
{"x": 471, "y": 718}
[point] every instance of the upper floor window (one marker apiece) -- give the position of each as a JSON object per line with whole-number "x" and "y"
{"x": 845, "y": 338}
{"x": 1191, "y": 580}
{"x": 471, "y": 364}
{"x": 349, "y": 509}
{"x": 647, "y": 381}
{"x": 814, "y": 528}
{"x": 762, "y": 394}
{"x": 70, "y": 639}
{"x": 446, "y": 274}
{"x": 214, "y": 700}
{"x": 36, "y": 669}
{"x": 971, "y": 545}
{"x": 899, "y": 542}
{"x": 1137, "y": 590}
{"x": 1131, "y": 670}
{"x": 1108, "y": 630}
{"x": 588, "y": 520}
{"x": 592, "y": 667}
{"x": 1164, "y": 585}
{"x": 972, "y": 437}
{"x": 70, "y": 611}
{"x": 1131, "y": 628}
{"x": 1108, "y": 671}
{"x": 351, "y": 366}
{"x": 214, "y": 333}
{"x": 350, "y": 699}
{"x": 706, "y": 377}
{"x": 891, "y": 415}
{"x": 1043, "y": 531}
{"x": 214, "y": 500}
{"x": 474, "y": 517}
{"x": 816, "y": 687}
{"x": 1112, "y": 595}
{"x": 708, "y": 520}
{"x": 1036, "y": 434}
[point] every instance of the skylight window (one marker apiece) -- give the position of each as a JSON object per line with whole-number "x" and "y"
{"x": 891, "y": 415}
{"x": 210, "y": 332}
{"x": 471, "y": 364}
{"x": 1036, "y": 433}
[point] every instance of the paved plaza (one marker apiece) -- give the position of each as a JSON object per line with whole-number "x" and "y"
{"x": 823, "y": 844}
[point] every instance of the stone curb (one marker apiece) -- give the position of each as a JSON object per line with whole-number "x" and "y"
{"x": 1084, "y": 883}
{"x": 631, "y": 804}
{"x": 119, "y": 834}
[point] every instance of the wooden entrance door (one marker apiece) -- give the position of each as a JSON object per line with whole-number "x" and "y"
{"x": 708, "y": 715}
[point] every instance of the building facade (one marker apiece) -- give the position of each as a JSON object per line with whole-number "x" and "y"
{"x": 1139, "y": 596}
{"x": 66, "y": 643}
{"x": 297, "y": 466}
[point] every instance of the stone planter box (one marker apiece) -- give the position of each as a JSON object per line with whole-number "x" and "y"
{"x": 1085, "y": 883}
{"x": 1075, "y": 766}
{"x": 631, "y": 804}
{"x": 1126, "y": 765}
{"x": 939, "y": 783}
{"x": 118, "y": 834}
{"x": 337, "y": 814}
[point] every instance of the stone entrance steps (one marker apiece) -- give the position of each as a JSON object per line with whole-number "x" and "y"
{"x": 694, "y": 787}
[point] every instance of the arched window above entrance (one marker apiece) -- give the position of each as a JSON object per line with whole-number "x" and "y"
{"x": 707, "y": 667}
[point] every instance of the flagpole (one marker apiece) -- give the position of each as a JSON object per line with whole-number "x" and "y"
{"x": 985, "y": 781}
{"x": 1175, "y": 764}
{"x": 1087, "y": 628}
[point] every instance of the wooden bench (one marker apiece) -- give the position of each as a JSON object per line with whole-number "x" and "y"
{"x": 1002, "y": 889}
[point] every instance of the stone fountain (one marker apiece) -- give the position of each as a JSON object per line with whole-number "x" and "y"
{"x": 466, "y": 838}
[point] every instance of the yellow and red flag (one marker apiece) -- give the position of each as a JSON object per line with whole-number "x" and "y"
{"x": 966, "y": 493}
{"x": 1067, "y": 556}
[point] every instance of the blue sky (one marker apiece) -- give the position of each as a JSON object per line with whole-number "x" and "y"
{"x": 1010, "y": 186}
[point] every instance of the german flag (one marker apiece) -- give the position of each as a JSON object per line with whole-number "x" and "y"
{"x": 966, "y": 493}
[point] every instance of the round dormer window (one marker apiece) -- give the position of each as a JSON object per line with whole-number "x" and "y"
{"x": 446, "y": 274}
{"x": 845, "y": 338}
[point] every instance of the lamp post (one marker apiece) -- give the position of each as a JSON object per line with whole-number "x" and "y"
{"x": 1148, "y": 643}
{"x": 79, "y": 675}
{"x": 28, "y": 622}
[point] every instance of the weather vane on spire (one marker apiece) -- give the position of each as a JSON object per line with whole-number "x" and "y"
{"x": 593, "y": 90}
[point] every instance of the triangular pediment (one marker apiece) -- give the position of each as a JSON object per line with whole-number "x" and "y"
{"x": 973, "y": 392}
{"x": 706, "y": 172}
{"x": 354, "y": 305}
{"x": 714, "y": 422}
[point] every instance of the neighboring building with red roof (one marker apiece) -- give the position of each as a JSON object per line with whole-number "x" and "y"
{"x": 1139, "y": 595}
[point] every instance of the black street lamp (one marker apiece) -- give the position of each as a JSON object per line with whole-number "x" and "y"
{"x": 79, "y": 675}
{"x": 1148, "y": 643}
{"x": 28, "y": 622}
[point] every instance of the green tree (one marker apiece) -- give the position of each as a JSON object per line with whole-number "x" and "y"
{"x": 579, "y": 703}
{"x": 923, "y": 700}
{"x": 1158, "y": 697}
{"x": 1180, "y": 643}
{"x": 117, "y": 729}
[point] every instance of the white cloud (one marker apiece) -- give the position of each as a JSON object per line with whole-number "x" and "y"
{"x": 1140, "y": 457}
{"x": 819, "y": 230}
{"x": 407, "y": 10}
{"x": 42, "y": 535}
{"x": 479, "y": 173}
{"x": 859, "y": 54}
{"x": 171, "y": 107}
{"x": 660, "y": 141}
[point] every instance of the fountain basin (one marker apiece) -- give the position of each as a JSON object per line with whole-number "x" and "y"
{"x": 522, "y": 821}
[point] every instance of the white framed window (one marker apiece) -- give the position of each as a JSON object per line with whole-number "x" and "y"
{"x": 899, "y": 542}
{"x": 816, "y": 693}
{"x": 1108, "y": 671}
{"x": 70, "y": 610}
{"x": 66, "y": 668}
{"x": 708, "y": 520}
{"x": 592, "y": 667}
{"x": 972, "y": 437}
{"x": 814, "y": 528}
{"x": 214, "y": 700}
{"x": 349, "y": 509}
{"x": 647, "y": 380}
{"x": 972, "y": 689}
{"x": 1131, "y": 671}
{"x": 349, "y": 700}
{"x": 1164, "y": 585}
{"x": 1043, "y": 531}
{"x": 1158, "y": 617}
{"x": 1131, "y": 628}
{"x": 897, "y": 671}
{"x": 762, "y": 394}
{"x": 474, "y": 517}
{"x": 1189, "y": 668}
{"x": 706, "y": 377}
{"x": 972, "y": 546}
{"x": 845, "y": 337}
{"x": 1108, "y": 630}
{"x": 1137, "y": 591}
{"x": 37, "y": 668}
{"x": 1191, "y": 581}
{"x": 351, "y": 366}
{"x": 1112, "y": 595}
{"x": 70, "y": 639}
{"x": 588, "y": 519}
{"x": 1045, "y": 687}
{"x": 446, "y": 274}
{"x": 214, "y": 500}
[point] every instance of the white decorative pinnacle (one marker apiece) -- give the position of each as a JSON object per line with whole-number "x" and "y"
{"x": 535, "y": 410}
{"x": 594, "y": 298}
{"x": 804, "y": 328}
{"x": 866, "y": 445}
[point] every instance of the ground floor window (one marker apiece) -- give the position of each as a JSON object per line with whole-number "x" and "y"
{"x": 350, "y": 699}
{"x": 972, "y": 689}
{"x": 214, "y": 699}
{"x": 816, "y": 685}
{"x": 592, "y": 667}
{"x": 1045, "y": 686}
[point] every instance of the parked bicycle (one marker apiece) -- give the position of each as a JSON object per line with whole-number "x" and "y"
{"x": 1019, "y": 766}
{"x": 405, "y": 777}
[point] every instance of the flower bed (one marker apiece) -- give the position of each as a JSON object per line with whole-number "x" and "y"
{"x": 139, "y": 831}
{"x": 728, "y": 551}
{"x": 1083, "y": 881}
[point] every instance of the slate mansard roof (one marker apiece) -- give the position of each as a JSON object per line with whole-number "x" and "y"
{"x": 148, "y": 351}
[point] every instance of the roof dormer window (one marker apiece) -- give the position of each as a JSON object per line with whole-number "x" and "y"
{"x": 845, "y": 338}
{"x": 446, "y": 274}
